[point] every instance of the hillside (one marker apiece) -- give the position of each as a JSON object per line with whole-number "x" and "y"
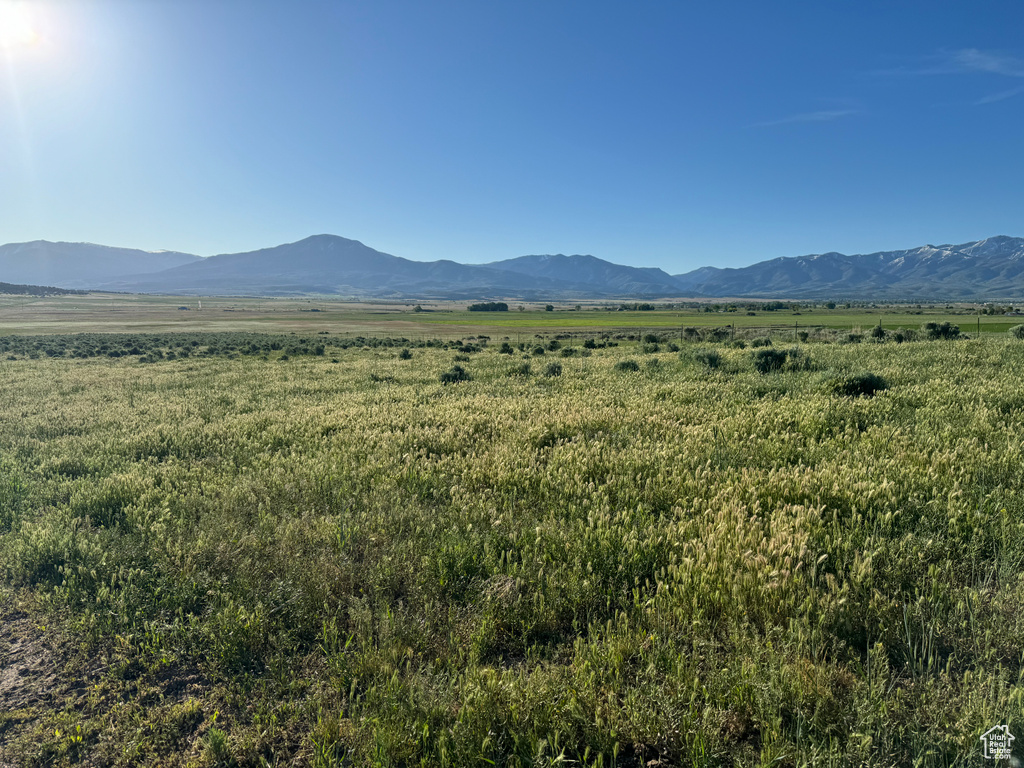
{"x": 593, "y": 275}
{"x": 328, "y": 264}
{"x": 80, "y": 265}
{"x": 990, "y": 268}
{"x": 336, "y": 265}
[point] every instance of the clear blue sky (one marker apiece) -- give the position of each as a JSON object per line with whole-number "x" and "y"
{"x": 665, "y": 134}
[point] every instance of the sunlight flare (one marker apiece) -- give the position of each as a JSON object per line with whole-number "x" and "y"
{"x": 16, "y": 25}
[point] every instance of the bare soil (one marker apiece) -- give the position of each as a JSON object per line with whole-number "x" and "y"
{"x": 29, "y": 676}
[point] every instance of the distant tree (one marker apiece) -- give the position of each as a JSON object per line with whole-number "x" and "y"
{"x": 489, "y": 306}
{"x": 549, "y": 308}
{"x": 38, "y": 290}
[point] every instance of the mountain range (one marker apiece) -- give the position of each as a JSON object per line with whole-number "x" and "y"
{"x": 329, "y": 264}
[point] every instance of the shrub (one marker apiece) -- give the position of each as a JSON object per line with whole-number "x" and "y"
{"x": 538, "y": 350}
{"x": 568, "y": 352}
{"x": 553, "y": 369}
{"x": 457, "y": 373}
{"x": 708, "y": 357}
{"x": 405, "y": 354}
{"x": 878, "y": 332}
{"x": 505, "y": 348}
{"x": 762, "y": 342}
{"x": 627, "y": 365}
{"x": 863, "y": 384}
{"x": 650, "y": 348}
{"x": 651, "y": 338}
{"x": 590, "y": 344}
{"x": 768, "y": 360}
{"x": 803, "y": 335}
{"x": 796, "y": 360}
{"x": 461, "y": 358}
{"x": 522, "y": 369}
{"x": 945, "y": 330}
{"x": 1017, "y": 331}
{"x": 553, "y": 345}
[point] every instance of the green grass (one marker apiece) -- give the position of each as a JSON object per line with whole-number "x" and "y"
{"x": 108, "y": 313}
{"x": 263, "y": 561}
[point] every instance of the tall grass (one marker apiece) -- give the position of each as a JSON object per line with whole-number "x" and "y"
{"x": 685, "y": 563}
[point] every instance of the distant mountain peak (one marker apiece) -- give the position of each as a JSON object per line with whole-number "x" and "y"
{"x": 331, "y": 264}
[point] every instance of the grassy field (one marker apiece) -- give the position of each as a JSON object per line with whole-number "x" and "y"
{"x": 100, "y": 313}
{"x": 600, "y": 552}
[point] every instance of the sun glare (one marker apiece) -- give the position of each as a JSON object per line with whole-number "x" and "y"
{"x": 16, "y": 27}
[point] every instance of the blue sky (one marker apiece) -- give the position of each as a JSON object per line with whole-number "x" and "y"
{"x": 664, "y": 134}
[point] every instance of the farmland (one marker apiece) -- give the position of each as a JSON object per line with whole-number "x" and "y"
{"x": 618, "y": 548}
{"x": 111, "y": 313}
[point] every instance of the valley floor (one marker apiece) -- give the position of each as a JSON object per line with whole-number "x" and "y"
{"x": 617, "y": 552}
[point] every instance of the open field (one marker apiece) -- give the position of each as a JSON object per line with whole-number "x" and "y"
{"x": 622, "y": 555}
{"x": 99, "y": 313}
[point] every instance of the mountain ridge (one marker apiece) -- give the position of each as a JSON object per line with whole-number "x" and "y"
{"x": 79, "y": 265}
{"x": 329, "y": 264}
{"x": 988, "y": 268}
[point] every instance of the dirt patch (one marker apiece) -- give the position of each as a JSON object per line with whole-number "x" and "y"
{"x": 50, "y": 684}
{"x": 28, "y": 675}
{"x": 28, "y": 671}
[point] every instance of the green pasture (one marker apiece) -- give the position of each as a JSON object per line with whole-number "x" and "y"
{"x": 142, "y": 313}
{"x": 264, "y": 550}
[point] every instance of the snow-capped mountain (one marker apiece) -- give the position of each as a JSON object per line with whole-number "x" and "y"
{"x": 990, "y": 268}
